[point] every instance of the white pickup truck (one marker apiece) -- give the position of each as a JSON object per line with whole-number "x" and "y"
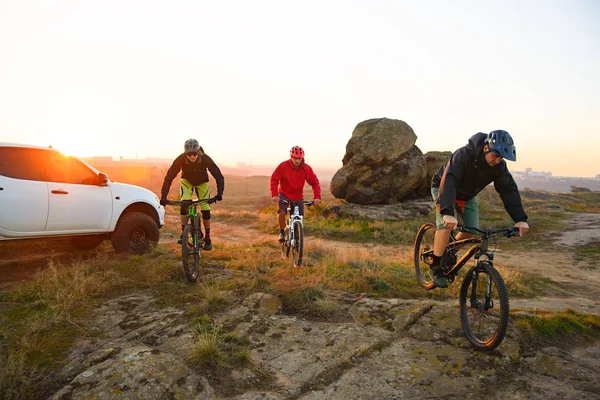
{"x": 44, "y": 193}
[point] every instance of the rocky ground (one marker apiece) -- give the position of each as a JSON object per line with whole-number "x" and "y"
{"x": 374, "y": 349}
{"x": 390, "y": 349}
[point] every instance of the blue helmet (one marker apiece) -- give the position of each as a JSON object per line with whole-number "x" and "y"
{"x": 501, "y": 143}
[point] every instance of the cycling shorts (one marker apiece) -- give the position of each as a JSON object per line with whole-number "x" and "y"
{"x": 467, "y": 211}
{"x": 283, "y": 206}
{"x": 202, "y": 191}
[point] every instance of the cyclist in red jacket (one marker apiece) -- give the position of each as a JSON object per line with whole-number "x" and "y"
{"x": 287, "y": 183}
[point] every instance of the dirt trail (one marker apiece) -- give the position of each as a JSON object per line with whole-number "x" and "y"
{"x": 579, "y": 279}
{"x": 580, "y": 282}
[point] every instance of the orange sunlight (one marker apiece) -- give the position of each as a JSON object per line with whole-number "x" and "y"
{"x": 73, "y": 147}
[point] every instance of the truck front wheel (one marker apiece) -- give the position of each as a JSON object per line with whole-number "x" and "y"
{"x": 136, "y": 233}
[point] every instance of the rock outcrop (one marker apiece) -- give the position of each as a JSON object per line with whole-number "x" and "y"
{"x": 382, "y": 165}
{"x": 373, "y": 349}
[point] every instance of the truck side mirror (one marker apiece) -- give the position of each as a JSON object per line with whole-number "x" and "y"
{"x": 102, "y": 179}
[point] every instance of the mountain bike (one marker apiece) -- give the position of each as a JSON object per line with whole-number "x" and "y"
{"x": 483, "y": 298}
{"x": 294, "y": 232}
{"x": 192, "y": 238}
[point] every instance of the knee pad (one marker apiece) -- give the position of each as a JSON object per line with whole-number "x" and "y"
{"x": 205, "y": 214}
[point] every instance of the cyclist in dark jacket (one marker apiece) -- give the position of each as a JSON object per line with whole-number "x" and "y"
{"x": 455, "y": 185}
{"x": 193, "y": 164}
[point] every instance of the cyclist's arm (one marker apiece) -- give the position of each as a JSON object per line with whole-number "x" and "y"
{"x": 453, "y": 174}
{"x": 216, "y": 173}
{"x": 507, "y": 188}
{"x": 274, "y": 183}
{"x": 312, "y": 180}
{"x": 171, "y": 174}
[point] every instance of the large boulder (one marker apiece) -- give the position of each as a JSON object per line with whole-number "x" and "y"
{"x": 433, "y": 162}
{"x": 382, "y": 165}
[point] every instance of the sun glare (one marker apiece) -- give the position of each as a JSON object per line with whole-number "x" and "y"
{"x": 69, "y": 148}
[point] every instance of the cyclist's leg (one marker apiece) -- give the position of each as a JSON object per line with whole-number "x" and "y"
{"x": 440, "y": 241}
{"x": 442, "y": 234}
{"x": 186, "y": 194}
{"x": 469, "y": 214}
{"x": 203, "y": 192}
{"x": 281, "y": 213}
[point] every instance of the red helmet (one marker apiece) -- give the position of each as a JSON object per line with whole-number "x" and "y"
{"x": 297, "y": 152}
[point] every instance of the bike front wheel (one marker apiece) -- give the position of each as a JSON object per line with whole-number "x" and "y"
{"x": 423, "y": 253}
{"x": 298, "y": 246}
{"x": 190, "y": 253}
{"x": 484, "y": 306}
{"x": 285, "y": 246}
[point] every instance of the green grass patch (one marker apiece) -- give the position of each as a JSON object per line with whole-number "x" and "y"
{"x": 559, "y": 328}
{"x": 215, "y": 348}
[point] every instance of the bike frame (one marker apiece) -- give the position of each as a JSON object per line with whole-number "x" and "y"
{"x": 194, "y": 248}
{"x": 193, "y": 218}
{"x": 294, "y": 244}
{"x": 482, "y": 286}
{"x": 479, "y": 248}
{"x": 293, "y": 219}
{"x": 195, "y": 221}
{"x": 475, "y": 250}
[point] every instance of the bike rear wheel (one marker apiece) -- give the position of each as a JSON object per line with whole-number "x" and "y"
{"x": 298, "y": 247}
{"x": 484, "y": 306}
{"x": 423, "y": 254}
{"x": 190, "y": 253}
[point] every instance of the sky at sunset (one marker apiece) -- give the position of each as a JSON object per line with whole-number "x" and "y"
{"x": 250, "y": 79}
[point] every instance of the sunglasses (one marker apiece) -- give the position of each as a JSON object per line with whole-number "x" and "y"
{"x": 195, "y": 154}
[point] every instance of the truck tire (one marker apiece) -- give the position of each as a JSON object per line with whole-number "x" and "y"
{"x": 136, "y": 233}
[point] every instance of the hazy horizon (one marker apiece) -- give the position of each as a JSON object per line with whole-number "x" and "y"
{"x": 241, "y": 165}
{"x": 249, "y": 80}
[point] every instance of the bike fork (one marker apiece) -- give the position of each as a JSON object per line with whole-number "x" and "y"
{"x": 489, "y": 303}
{"x": 197, "y": 239}
{"x": 292, "y": 236}
{"x": 473, "y": 298}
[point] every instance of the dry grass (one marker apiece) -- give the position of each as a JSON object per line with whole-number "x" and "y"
{"x": 67, "y": 288}
{"x": 17, "y": 376}
{"x": 214, "y": 299}
{"x": 206, "y": 349}
{"x": 39, "y": 320}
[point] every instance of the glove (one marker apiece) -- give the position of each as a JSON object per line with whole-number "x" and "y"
{"x": 164, "y": 201}
{"x": 219, "y": 197}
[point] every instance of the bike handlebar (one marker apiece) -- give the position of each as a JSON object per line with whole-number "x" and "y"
{"x": 189, "y": 202}
{"x": 508, "y": 232}
{"x": 307, "y": 202}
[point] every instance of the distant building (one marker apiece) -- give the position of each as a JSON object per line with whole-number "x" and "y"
{"x": 530, "y": 173}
